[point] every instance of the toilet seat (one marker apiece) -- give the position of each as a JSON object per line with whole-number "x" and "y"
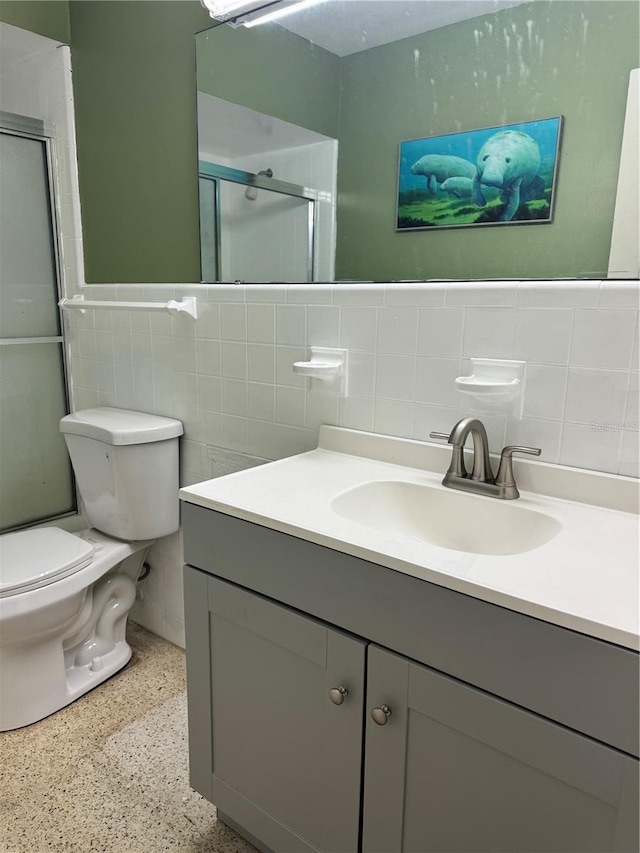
{"x": 31, "y": 559}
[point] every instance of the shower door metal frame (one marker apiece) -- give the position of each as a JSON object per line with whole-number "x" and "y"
{"x": 217, "y": 236}
{"x": 36, "y": 129}
{"x": 27, "y": 127}
{"x": 215, "y": 173}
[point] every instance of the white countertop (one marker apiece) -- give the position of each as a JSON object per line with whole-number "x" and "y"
{"x": 585, "y": 578}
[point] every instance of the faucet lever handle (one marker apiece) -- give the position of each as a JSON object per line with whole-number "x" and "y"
{"x": 456, "y": 468}
{"x": 512, "y": 448}
{"x": 505, "y": 477}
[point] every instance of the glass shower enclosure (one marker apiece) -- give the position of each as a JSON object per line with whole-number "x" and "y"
{"x": 36, "y": 483}
{"x": 254, "y": 227}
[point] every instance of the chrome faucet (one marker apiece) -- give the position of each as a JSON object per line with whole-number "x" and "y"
{"x": 481, "y": 479}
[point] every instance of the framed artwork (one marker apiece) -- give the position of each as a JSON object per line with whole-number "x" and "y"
{"x": 492, "y": 176}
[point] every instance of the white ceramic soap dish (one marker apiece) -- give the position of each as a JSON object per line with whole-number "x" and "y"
{"x": 327, "y": 369}
{"x": 496, "y": 384}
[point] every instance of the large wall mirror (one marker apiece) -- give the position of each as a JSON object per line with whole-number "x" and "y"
{"x": 300, "y": 124}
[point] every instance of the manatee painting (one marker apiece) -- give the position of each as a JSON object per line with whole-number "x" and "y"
{"x": 510, "y": 161}
{"x": 439, "y": 167}
{"x": 491, "y": 176}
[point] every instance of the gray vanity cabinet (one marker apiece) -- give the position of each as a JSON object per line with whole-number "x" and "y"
{"x": 504, "y": 734}
{"x": 454, "y": 769}
{"x": 279, "y": 750}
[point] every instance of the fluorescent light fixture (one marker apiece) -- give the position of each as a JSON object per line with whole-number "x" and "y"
{"x": 223, "y": 10}
{"x": 279, "y": 12}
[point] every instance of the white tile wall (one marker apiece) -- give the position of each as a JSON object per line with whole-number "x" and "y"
{"x": 235, "y": 360}
{"x": 228, "y": 375}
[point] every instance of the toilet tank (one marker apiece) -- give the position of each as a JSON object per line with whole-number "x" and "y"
{"x": 126, "y": 467}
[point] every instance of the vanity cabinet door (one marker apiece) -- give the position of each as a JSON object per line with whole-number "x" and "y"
{"x": 271, "y": 749}
{"x": 455, "y": 769}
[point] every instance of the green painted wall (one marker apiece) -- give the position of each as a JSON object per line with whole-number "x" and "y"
{"x": 135, "y": 102}
{"x": 272, "y": 71}
{"x": 533, "y": 61}
{"x": 48, "y": 18}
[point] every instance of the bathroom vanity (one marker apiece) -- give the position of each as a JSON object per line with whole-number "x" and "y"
{"x": 356, "y": 687}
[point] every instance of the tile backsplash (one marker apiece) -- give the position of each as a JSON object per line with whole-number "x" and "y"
{"x": 228, "y": 375}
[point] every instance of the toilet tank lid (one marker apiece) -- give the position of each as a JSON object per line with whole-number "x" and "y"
{"x": 120, "y": 426}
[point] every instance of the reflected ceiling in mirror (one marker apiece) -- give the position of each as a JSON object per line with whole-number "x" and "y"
{"x": 324, "y": 98}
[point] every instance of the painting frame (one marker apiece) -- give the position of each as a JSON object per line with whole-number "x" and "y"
{"x": 441, "y": 178}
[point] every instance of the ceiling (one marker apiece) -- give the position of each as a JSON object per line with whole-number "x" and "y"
{"x": 348, "y": 26}
{"x": 226, "y": 130}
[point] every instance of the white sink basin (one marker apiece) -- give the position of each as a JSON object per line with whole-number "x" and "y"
{"x": 449, "y": 519}
{"x": 566, "y": 552}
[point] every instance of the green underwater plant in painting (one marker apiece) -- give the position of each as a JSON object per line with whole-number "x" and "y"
{"x": 482, "y": 177}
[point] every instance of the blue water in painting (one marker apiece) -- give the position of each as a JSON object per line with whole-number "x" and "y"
{"x": 468, "y": 144}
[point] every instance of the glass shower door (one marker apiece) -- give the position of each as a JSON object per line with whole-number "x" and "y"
{"x": 255, "y": 227}
{"x": 265, "y": 236}
{"x": 35, "y": 473}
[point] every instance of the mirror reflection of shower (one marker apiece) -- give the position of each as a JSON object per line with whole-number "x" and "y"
{"x": 275, "y": 236}
{"x": 267, "y": 196}
{"x": 251, "y": 193}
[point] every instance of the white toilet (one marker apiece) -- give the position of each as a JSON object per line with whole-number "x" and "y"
{"x": 64, "y": 597}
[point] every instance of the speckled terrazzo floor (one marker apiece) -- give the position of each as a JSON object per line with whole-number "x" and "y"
{"x": 109, "y": 772}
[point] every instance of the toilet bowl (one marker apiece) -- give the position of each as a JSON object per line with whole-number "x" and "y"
{"x": 65, "y": 597}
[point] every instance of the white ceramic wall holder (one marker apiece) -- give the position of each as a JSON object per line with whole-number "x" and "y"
{"x": 495, "y": 384}
{"x": 327, "y": 369}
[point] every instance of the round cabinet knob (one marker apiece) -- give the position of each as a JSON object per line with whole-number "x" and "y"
{"x": 381, "y": 715}
{"x": 337, "y": 695}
